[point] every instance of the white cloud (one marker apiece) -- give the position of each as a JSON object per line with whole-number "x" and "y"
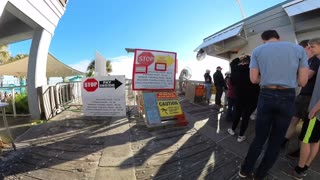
{"x": 81, "y": 65}
{"x": 122, "y": 65}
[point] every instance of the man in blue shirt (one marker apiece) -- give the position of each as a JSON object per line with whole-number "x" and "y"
{"x": 278, "y": 67}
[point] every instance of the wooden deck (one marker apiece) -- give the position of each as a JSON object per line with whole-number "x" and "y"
{"x": 75, "y": 147}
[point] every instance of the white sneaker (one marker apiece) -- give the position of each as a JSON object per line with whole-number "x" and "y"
{"x": 231, "y": 132}
{"x": 241, "y": 138}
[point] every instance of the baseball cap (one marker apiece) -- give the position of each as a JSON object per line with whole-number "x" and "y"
{"x": 219, "y": 67}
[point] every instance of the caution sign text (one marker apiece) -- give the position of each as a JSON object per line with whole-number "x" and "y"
{"x": 169, "y": 108}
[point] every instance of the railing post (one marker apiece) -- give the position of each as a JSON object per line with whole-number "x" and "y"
{"x": 13, "y": 103}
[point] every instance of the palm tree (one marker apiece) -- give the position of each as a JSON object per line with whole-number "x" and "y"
{"x": 18, "y": 57}
{"x": 4, "y": 57}
{"x": 91, "y": 68}
{"x": 4, "y": 54}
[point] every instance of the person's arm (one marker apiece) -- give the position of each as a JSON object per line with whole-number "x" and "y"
{"x": 314, "y": 110}
{"x": 303, "y": 74}
{"x": 311, "y": 73}
{"x": 254, "y": 68}
{"x": 223, "y": 82}
{"x": 255, "y": 75}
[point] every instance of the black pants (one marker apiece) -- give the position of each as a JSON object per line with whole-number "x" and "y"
{"x": 244, "y": 107}
{"x": 219, "y": 91}
{"x": 231, "y": 108}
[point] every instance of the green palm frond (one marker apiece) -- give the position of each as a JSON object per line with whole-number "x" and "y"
{"x": 91, "y": 68}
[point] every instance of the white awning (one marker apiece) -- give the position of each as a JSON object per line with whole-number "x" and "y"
{"x": 55, "y": 68}
{"x": 301, "y": 6}
{"x": 220, "y": 36}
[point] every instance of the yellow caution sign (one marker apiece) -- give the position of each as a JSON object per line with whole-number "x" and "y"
{"x": 169, "y": 108}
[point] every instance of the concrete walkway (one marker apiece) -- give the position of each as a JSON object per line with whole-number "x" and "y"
{"x": 72, "y": 146}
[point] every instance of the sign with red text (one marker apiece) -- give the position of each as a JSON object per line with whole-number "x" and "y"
{"x": 154, "y": 70}
{"x": 90, "y": 84}
{"x": 104, "y": 96}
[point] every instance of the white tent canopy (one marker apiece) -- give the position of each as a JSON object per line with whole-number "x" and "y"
{"x": 55, "y": 68}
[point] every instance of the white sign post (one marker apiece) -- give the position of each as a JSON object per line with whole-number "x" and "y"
{"x": 104, "y": 96}
{"x": 100, "y": 65}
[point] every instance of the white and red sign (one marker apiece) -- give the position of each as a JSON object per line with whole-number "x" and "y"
{"x": 146, "y": 58}
{"x": 104, "y": 96}
{"x": 154, "y": 70}
{"x": 90, "y": 84}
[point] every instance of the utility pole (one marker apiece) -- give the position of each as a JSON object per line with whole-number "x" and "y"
{"x": 243, "y": 13}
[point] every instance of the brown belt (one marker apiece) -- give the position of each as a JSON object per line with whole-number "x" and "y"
{"x": 275, "y": 87}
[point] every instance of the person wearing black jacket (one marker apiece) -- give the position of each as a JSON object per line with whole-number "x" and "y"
{"x": 208, "y": 85}
{"x": 219, "y": 84}
{"x": 246, "y": 95}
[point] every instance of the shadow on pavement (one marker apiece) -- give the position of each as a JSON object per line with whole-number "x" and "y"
{"x": 67, "y": 149}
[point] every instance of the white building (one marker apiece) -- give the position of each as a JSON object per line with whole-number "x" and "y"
{"x": 36, "y": 20}
{"x": 295, "y": 20}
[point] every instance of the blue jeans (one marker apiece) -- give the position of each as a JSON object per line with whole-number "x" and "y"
{"x": 274, "y": 111}
{"x": 208, "y": 91}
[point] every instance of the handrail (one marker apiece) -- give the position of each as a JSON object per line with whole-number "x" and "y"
{"x": 12, "y": 89}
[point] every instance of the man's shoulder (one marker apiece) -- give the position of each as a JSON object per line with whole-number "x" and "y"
{"x": 291, "y": 45}
{"x": 283, "y": 45}
{"x": 315, "y": 61}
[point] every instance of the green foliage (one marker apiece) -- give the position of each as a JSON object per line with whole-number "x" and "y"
{"x": 18, "y": 57}
{"x": 90, "y": 73}
{"x": 4, "y": 54}
{"x": 21, "y": 102}
{"x": 91, "y": 68}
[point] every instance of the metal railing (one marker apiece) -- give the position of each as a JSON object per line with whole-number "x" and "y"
{"x": 10, "y": 92}
{"x": 55, "y": 99}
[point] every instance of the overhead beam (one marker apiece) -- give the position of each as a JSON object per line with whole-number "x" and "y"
{"x": 15, "y": 31}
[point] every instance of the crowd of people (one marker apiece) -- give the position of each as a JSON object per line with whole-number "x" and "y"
{"x": 268, "y": 81}
{"x": 4, "y": 96}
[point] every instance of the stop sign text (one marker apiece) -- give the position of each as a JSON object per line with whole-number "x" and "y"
{"x": 146, "y": 58}
{"x": 90, "y": 85}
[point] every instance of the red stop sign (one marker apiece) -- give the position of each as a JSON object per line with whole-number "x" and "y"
{"x": 90, "y": 84}
{"x": 146, "y": 58}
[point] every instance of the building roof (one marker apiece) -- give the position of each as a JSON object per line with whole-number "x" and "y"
{"x": 222, "y": 35}
{"x": 250, "y": 17}
{"x": 301, "y": 6}
{"x": 55, "y": 68}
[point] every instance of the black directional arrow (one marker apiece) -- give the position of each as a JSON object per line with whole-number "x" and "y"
{"x": 110, "y": 84}
{"x": 116, "y": 83}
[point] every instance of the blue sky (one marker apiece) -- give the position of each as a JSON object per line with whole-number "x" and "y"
{"x": 109, "y": 26}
